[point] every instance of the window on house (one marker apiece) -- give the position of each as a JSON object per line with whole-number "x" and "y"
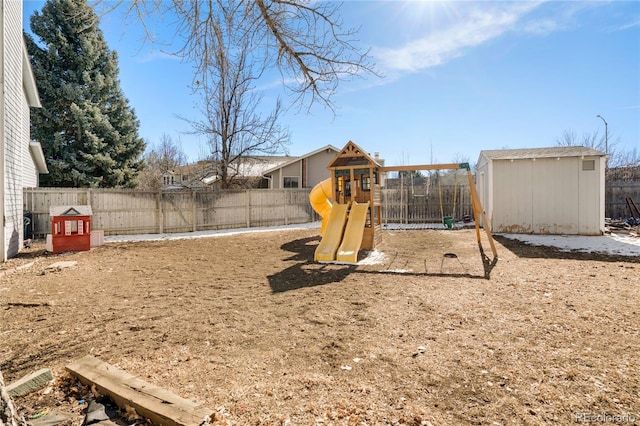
{"x": 291, "y": 182}
{"x": 588, "y": 164}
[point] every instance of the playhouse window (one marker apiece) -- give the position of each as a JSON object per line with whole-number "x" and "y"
{"x": 70, "y": 227}
{"x": 366, "y": 183}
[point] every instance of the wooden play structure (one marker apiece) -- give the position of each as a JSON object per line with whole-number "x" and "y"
{"x": 353, "y": 221}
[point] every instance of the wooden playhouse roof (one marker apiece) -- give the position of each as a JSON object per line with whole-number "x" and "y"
{"x": 353, "y": 155}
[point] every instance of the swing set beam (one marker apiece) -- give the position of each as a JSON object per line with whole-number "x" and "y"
{"x": 447, "y": 166}
{"x": 478, "y": 211}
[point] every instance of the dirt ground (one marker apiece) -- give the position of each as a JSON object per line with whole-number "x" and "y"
{"x": 250, "y": 327}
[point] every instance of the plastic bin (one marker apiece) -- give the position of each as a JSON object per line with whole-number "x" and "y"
{"x": 447, "y": 221}
{"x": 28, "y": 225}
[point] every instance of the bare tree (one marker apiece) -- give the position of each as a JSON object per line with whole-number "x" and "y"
{"x": 305, "y": 40}
{"x": 589, "y": 140}
{"x": 159, "y": 160}
{"x": 603, "y": 143}
{"x": 630, "y": 158}
{"x": 231, "y": 106}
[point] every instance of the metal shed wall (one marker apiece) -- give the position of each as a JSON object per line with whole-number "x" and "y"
{"x": 543, "y": 195}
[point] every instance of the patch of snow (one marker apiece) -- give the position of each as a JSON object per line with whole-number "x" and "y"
{"x": 206, "y": 234}
{"x": 374, "y": 257}
{"x": 616, "y": 244}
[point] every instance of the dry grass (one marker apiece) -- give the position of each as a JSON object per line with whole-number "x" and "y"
{"x": 249, "y": 326}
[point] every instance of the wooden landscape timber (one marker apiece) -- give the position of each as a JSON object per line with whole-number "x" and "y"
{"x": 9, "y": 416}
{"x": 152, "y": 402}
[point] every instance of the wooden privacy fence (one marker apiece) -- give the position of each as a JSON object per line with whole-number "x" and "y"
{"x": 615, "y": 194}
{"x": 425, "y": 205}
{"x": 121, "y": 211}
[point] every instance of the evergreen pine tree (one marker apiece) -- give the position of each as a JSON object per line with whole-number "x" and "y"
{"x": 88, "y": 132}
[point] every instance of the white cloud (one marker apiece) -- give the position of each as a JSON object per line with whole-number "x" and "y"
{"x": 156, "y": 55}
{"x": 473, "y": 28}
{"x": 629, "y": 25}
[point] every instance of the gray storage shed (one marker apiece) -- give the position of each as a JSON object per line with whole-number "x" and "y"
{"x": 557, "y": 190}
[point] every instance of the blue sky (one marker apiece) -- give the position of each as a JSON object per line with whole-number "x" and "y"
{"x": 460, "y": 77}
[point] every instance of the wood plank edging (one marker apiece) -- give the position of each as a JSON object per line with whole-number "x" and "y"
{"x": 159, "y": 405}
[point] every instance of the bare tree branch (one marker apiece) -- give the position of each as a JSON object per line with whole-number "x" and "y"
{"x": 594, "y": 140}
{"x": 305, "y": 40}
{"x": 231, "y": 106}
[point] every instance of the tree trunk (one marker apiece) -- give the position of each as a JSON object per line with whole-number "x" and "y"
{"x": 9, "y": 416}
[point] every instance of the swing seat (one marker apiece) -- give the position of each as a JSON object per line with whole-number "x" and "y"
{"x": 447, "y": 221}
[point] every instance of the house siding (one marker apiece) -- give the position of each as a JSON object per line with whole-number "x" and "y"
{"x": 276, "y": 179}
{"x": 292, "y": 170}
{"x": 317, "y": 167}
{"x": 17, "y": 167}
{"x": 310, "y": 169}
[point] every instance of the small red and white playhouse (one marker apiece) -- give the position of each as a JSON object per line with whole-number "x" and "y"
{"x": 70, "y": 228}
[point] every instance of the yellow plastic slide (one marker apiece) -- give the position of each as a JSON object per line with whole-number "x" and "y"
{"x": 326, "y": 250}
{"x": 352, "y": 240}
{"x": 319, "y": 199}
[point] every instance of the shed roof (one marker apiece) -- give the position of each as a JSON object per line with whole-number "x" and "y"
{"x": 527, "y": 153}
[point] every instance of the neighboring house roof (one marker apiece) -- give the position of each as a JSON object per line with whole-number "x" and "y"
{"x": 530, "y": 153}
{"x": 38, "y": 157}
{"x": 28, "y": 81}
{"x": 295, "y": 159}
{"x": 258, "y": 166}
{"x": 205, "y": 173}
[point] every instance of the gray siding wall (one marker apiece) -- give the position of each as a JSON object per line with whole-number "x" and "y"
{"x": 292, "y": 170}
{"x": 317, "y": 167}
{"x": 276, "y": 179}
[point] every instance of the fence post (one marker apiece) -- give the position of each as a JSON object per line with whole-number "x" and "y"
{"x": 194, "y": 216}
{"x": 247, "y": 207}
{"x": 284, "y": 207}
{"x": 160, "y": 213}
{"x": 406, "y": 206}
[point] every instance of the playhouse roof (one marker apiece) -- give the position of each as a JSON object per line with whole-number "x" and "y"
{"x": 70, "y": 211}
{"x": 353, "y": 155}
